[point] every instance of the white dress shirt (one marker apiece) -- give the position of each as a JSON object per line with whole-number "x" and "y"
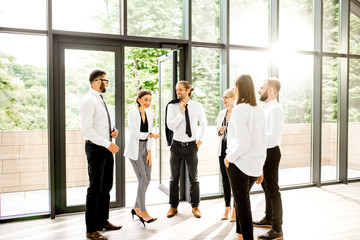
{"x": 246, "y": 139}
{"x": 274, "y": 119}
{"x": 134, "y": 124}
{"x": 94, "y": 119}
{"x": 176, "y": 121}
{"x": 220, "y": 120}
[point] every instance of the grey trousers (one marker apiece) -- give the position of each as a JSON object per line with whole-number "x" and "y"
{"x": 143, "y": 174}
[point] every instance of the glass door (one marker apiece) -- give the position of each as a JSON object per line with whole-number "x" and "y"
{"x": 76, "y": 64}
{"x": 167, "y": 80}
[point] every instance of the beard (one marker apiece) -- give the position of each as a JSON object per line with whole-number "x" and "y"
{"x": 102, "y": 87}
{"x": 263, "y": 97}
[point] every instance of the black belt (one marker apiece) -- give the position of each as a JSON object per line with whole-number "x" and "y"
{"x": 184, "y": 144}
{"x": 89, "y": 142}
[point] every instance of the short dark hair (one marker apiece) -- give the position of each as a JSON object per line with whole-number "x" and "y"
{"x": 142, "y": 93}
{"x": 95, "y": 74}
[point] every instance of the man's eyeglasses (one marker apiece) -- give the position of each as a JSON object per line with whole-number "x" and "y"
{"x": 104, "y": 80}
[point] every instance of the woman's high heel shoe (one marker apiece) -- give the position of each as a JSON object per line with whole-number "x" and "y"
{"x": 147, "y": 221}
{"x": 134, "y": 213}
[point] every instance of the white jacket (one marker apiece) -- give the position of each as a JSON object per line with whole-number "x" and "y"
{"x": 220, "y": 119}
{"x": 134, "y": 123}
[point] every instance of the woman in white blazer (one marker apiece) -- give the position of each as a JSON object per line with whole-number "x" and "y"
{"x": 138, "y": 150}
{"x": 221, "y": 131}
{"x": 246, "y": 152}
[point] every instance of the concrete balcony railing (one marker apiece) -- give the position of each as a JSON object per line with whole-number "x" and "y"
{"x": 24, "y": 155}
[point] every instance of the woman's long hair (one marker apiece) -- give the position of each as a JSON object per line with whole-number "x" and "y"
{"x": 245, "y": 90}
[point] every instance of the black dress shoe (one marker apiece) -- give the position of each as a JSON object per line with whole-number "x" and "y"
{"x": 263, "y": 223}
{"x": 272, "y": 234}
{"x": 109, "y": 226}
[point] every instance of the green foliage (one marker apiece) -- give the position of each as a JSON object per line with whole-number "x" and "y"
{"x": 23, "y": 96}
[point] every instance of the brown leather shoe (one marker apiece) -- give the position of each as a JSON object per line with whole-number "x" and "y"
{"x": 109, "y": 226}
{"x": 196, "y": 212}
{"x": 95, "y": 236}
{"x": 172, "y": 211}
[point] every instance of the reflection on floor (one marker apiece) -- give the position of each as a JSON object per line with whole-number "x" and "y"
{"x": 19, "y": 203}
{"x": 330, "y": 212}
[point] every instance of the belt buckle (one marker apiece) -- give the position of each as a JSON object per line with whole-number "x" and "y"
{"x": 184, "y": 144}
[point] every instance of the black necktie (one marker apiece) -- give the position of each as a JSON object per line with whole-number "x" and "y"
{"x": 187, "y": 120}
{"x": 108, "y": 115}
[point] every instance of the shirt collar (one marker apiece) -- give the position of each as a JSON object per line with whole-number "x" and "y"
{"x": 96, "y": 93}
{"x": 269, "y": 104}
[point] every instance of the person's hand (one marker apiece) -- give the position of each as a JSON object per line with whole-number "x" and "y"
{"x": 113, "y": 148}
{"x": 260, "y": 179}
{"x": 182, "y": 107}
{"x": 155, "y": 135}
{"x": 148, "y": 158}
{"x": 227, "y": 163}
{"x": 114, "y": 133}
{"x": 198, "y": 144}
{"x": 222, "y": 130}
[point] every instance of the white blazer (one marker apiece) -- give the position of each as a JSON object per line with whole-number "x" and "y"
{"x": 134, "y": 123}
{"x": 220, "y": 119}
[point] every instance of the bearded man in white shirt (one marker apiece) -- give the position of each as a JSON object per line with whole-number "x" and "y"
{"x": 274, "y": 119}
{"x": 182, "y": 119}
{"x": 99, "y": 149}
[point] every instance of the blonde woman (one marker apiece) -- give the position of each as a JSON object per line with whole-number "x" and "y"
{"x": 245, "y": 153}
{"x": 138, "y": 150}
{"x": 221, "y": 130}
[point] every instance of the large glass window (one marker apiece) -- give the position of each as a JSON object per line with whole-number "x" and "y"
{"x": 206, "y": 83}
{"x": 330, "y": 25}
{"x": 155, "y": 18}
{"x": 296, "y": 77}
{"x": 205, "y": 20}
{"x": 329, "y": 119}
{"x": 23, "y": 14}
{"x": 249, "y": 62}
{"x": 24, "y": 187}
{"x": 296, "y": 24}
{"x": 354, "y": 119}
{"x": 78, "y": 66}
{"x": 249, "y": 22}
{"x": 354, "y": 41}
{"x": 95, "y": 16}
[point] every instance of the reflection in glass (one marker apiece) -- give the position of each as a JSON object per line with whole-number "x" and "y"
{"x": 354, "y": 43}
{"x": 329, "y": 119}
{"x": 78, "y": 66}
{"x": 20, "y": 14}
{"x": 155, "y": 18}
{"x": 330, "y": 25}
{"x": 249, "y": 21}
{"x": 94, "y": 16}
{"x": 299, "y": 14}
{"x": 296, "y": 77}
{"x": 205, "y": 20}
{"x": 24, "y": 186}
{"x": 354, "y": 119}
{"x": 206, "y": 83}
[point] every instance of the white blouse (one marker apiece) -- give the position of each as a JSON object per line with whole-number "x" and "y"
{"x": 246, "y": 139}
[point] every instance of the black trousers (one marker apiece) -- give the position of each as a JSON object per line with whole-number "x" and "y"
{"x": 270, "y": 185}
{"x": 100, "y": 170}
{"x": 241, "y": 185}
{"x": 179, "y": 153}
{"x": 224, "y": 175}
